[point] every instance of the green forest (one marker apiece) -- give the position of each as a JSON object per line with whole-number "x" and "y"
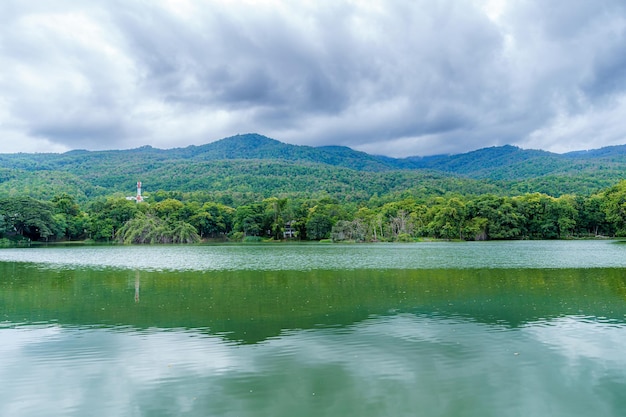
{"x": 252, "y": 188}
{"x": 174, "y": 217}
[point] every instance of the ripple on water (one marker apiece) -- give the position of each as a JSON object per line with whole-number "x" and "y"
{"x": 426, "y": 255}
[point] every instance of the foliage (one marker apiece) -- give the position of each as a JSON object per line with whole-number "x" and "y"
{"x": 107, "y": 216}
{"x": 252, "y": 187}
{"x": 28, "y": 217}
{"x": 319, "y": 226}
{"x": 481, "y": 217}
{"x": 614, "y": 206}
{"x": 262, "y": 168}
{"x": 72, "y": 222}
{"x": 249, "y": 219}
{"x": 151, "y": 229}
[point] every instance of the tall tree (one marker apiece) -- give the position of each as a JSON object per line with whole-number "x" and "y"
{"x": 28, "y": 217}
{"x": 319, "y": 226}
{"x": 614, "y": 206}
{"x": 107, "y": 216}
{"x": 71, "y": 220}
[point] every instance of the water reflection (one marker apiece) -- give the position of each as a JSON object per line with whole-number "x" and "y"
{"x": 398, "y": 365}
{"x": 252, "y": 306}
{"x": 366, "y": 341}
{"x": 137, "y": 282}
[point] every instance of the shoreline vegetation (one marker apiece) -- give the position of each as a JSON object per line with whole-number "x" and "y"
{"x": 176, "y": 218}
{"x": 13, "y": 243}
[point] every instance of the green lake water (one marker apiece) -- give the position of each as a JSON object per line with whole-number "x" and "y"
{"x": 425, "y": 329}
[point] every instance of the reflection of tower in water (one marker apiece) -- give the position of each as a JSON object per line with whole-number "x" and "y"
{"x": 136, "y": 286}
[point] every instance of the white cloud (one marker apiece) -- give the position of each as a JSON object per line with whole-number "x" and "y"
{"x": 593, "y": 128}
{"x": 409, "y": 76}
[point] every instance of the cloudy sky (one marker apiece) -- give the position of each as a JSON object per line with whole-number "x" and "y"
{"x": 392, "y": 77}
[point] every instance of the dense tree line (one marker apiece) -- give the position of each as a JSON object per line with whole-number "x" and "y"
{"x": 174, "y": 217}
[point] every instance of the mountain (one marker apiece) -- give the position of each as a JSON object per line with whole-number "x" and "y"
{"x": 618, "y": 152}
{"x": 254, "y": 146}
{"x": 513, "y": 163}
{"x": 483, "y": 162}
{"x": 240, "y": 147}
{"x": 253, "y": 163}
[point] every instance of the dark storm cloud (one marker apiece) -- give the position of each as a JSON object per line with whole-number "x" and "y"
{"x": 400, "y": 78}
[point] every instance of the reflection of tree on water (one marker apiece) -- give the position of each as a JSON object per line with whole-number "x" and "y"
{"x": 136, "y": 286}
{"x": 250, "y": 306}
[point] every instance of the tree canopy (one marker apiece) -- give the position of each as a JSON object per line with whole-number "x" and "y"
{"x": 192, "y": 217}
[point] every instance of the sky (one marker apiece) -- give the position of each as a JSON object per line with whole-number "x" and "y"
{"x": 388, "y": 77}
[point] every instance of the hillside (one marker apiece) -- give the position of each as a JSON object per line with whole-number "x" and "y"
{"x": 253, "y": 178}
{"x": 256, "y": 164}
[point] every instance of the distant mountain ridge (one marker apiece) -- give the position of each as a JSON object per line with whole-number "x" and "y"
{"x": 497, "y": 163}
{"x": 255, "y": 146}
{"x": 227, "y": 164}
{"x": 481, "y": 163}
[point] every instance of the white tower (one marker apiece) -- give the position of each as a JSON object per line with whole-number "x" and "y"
{"x": 139, "y": 198}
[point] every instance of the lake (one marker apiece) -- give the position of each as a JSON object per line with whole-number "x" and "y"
{"x": 525, "y": 328}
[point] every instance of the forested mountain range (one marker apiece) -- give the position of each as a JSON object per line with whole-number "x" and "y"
{"x": 256, "y": 164}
